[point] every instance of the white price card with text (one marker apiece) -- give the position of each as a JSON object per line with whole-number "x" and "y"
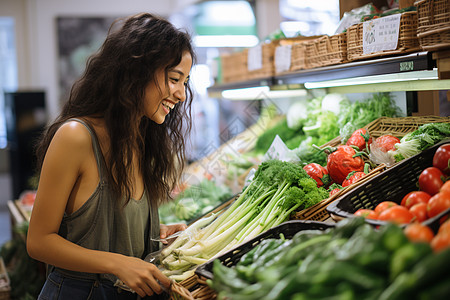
{"x": 381, "y": 34}
{"x": 283, "y": 58}
{"x": 254, "y": 59}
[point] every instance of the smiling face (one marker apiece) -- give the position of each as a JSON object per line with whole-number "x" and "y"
{"x": 158, "y": 101}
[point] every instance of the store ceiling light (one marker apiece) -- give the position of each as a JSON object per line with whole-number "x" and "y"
{"x": 260, "y": 93}
{"x": 377, "y": 79}
{"x": 219, "y": 41}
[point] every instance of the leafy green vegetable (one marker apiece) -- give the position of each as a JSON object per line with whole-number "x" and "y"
{"x": 360, "y": 113}
{"x": 193, "y": 202}
{"x": 424, "y": 137}
{"x": 278, "y": 189}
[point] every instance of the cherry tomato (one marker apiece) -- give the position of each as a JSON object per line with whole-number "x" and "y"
{"x": 387, "y": 142}
{"x": 417, "y": 232}
{"x": 437, "y": 204}
{"x": 415, "y": 197}
{"x": 441, "y": 159}
{"x": 430, "y": 180}
{"x": 396, "y": 214}
{"x": 366, "y": 213}
{"x": 419, "y": 210}
{"x": 382, "y": 206}
{"x": 441, "y": 241}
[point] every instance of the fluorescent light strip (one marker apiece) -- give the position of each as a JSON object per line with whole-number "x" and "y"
{"x": 220, "y": 41}
{"x": 261, "y": 92}
{"x": 386, "y": 78}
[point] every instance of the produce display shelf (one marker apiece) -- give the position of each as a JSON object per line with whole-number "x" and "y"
{"x": 419, "y": 61}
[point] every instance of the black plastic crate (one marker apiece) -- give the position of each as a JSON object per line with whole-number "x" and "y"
{"x": 288, "y": 229}
{"x": 390, "y": 185}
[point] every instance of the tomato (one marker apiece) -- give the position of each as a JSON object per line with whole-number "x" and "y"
{"x": 396, "y": 214}
{"x": 441, "y": 241}
{"x": 354, "y": 177}
{"x": 343, "y": 161}
{"x": 419, "y": 210}
{"x": 445, "y": 188}
{"x": 366, "y": 213}
{"x": 430, "y": 180}
{"x": 334, "y": 191}
{"x": 441, "y": 159}
{"x": 444, "y": 227}
{"x": 359, "y": 138}
{"x": 318, "y": 173}
{"x": 417, "y": 232}
{"x": 382, "y": 206}
{"x": 387, "y": 142}
{"x": 437, "y": 204}
{"x": 415, "y": 197}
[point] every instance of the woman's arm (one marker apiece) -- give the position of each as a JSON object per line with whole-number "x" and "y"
{"x": 64, "y": 166}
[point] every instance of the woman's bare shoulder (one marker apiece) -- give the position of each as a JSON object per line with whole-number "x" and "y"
{"x": 73, "y": 134}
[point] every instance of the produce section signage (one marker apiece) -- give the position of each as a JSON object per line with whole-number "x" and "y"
{"x": 381, "y": 34}
{"x": 254, "y": 59}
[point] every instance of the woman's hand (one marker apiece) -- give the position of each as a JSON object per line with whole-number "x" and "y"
{"x": 142, "y": 277}
{"x": 167, "y": 230}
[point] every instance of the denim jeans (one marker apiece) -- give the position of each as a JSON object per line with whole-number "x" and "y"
{"x": 60, "y": 287}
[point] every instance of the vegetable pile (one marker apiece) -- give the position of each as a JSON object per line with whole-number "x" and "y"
{"x": 350, "y": 261}
{"x": 277, "y": 190}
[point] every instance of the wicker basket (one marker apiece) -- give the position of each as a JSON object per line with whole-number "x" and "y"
{"x": 234, "y": 66}
{"x": 5, "y": 287}
{"x": 326, "y": 50}
{"x": 391, "y": 185}
{"x": 268, "y": 66}
{"x": 298, "y": 52}
{"x": 407, "y": 39}
{"x": 433, "y": 24}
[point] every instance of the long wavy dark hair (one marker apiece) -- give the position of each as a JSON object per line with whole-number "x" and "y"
{"x": 112, "y": 87}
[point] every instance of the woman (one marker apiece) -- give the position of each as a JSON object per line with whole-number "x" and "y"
{"x": 112, "y": 156}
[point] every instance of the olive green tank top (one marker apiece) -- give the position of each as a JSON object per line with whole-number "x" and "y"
{"x": 101, "y": 223}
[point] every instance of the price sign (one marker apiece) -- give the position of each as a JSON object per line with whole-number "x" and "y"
{"x": 381, "y": 34}
{"x": 254, "y": 58}
{"x": 283, "y": 58}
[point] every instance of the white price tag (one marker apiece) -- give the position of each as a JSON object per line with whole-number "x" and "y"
{"x": 381, "y": 34}
{"x": 283, "y": 58}
{"x": 254, "y": 59}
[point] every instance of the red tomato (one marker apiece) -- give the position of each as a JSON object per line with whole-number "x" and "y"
{"x": 359, "y": 138}
{"x": 382, "y": 206}
{"x": 437, "y": 204}
{"x": 415, "y": 197}
{"x": 353, "y": 178}
{"x": 445, "y": 188}
{"x": 334, "y": 191}
{"x": 441, "y": 241}
{"x": 341, "y": 162}
{"x": 444, "y": 227}
{"x": 396, "y": 214}
{"x": 318, "y": 173}
{"x": 441, "y": 159}
{"x": 417, "y": 232}
{"x": 419, "y": 210}
{"x": 366, "y": 213}
{"x": 430, "y": 180}
{"x": 387, "y": 142}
